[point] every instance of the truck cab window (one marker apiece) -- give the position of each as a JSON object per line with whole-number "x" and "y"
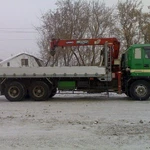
{"x": 137, "y": 53}
{"x": 147, "y": 52}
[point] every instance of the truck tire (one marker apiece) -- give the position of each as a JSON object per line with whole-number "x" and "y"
{"x": 39, "y": 91}
{"x": 140, "y": 90}
{"x": 15, "y": 91}
{"x": 54, "y": 91}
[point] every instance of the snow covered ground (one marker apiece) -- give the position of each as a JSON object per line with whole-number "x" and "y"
{"x": 75, "y": 122}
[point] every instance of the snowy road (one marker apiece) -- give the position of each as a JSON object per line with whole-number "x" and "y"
{"x": 75, "y": 122}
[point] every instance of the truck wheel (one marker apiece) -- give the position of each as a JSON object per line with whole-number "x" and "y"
{"x": 54, "y": 91}
{"x": 39, "y": 91}
{"x": 15, "y": 91}
{"x": 140, "y": 90}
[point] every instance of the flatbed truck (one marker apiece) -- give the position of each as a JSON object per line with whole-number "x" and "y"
{"x": 129, "y": 75}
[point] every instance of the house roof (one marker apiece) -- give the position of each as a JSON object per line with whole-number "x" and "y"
{"x": 10, "y": 58}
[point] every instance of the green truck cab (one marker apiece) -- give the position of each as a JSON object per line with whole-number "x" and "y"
{"x": 135, "y": 66}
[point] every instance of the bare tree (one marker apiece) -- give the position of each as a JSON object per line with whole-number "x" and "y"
{"x": 99, "y": 26}
{"x": 144, "y": 22}
{"x": 74, "y": 20}
{"x": 78, "y": 19}
{"x": 127, "y": 22}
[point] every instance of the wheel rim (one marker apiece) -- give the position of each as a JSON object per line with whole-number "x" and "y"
{"x": 13, "y": 91}
{"x": 38, "y": 91}
{"x": 141, "y": 90}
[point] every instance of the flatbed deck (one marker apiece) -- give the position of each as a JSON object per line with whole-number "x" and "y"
{"x": 36, "y": 72}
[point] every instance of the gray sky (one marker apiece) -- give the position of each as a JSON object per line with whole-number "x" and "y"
{"x": 17, "y": 21}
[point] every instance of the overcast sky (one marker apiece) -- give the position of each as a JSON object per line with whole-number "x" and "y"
{"x": 17, "y": 21}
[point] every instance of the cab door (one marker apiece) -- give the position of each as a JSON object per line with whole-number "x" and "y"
{"x": 146, "y": 59}
{"x": 137, "y": 61}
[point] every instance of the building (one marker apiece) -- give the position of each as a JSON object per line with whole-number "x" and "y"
{"x": 22, "y": 60}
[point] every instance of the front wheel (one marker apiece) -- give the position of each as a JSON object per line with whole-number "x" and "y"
{"x": 140, "y": 90}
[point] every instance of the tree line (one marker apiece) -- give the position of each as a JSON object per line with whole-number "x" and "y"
{"x": 79, "y": 19}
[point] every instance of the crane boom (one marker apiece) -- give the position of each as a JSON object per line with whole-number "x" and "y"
{"x": 113, "y": 42}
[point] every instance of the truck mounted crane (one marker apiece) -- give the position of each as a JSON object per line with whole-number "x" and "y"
{"x": 130, "y": 75}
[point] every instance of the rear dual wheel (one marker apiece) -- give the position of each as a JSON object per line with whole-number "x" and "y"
{"x": 39, "y": 91}
{"x": 15, "y": 91}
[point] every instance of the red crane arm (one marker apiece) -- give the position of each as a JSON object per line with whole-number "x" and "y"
{"x": 85, "y": 42}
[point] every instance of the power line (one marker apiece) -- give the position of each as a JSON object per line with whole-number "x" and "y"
{"x": 15, "y": 31}
{"x": 17, "y": 28}
{"x": 14, "y": 39}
